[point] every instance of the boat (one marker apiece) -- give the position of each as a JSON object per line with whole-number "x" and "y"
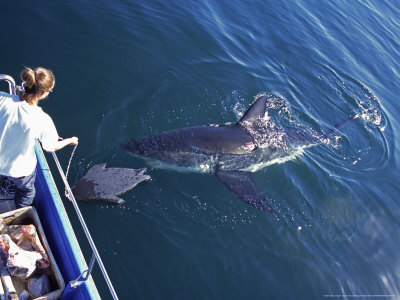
{"x": 58, "y": 231}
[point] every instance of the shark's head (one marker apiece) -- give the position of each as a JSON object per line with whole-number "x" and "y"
{"x": 152, "y": 146}
{"x": 142, "y": 147}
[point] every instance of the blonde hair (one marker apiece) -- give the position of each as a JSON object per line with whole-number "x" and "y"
{"x": 36, "y": 81}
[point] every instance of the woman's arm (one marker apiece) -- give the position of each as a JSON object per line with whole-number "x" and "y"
{"x": 61, "y": 144}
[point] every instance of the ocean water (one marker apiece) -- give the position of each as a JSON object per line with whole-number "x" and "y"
{"x": 125, "y": 69}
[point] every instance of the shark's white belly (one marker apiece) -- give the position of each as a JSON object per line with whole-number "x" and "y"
{"x": 209, "y": 163}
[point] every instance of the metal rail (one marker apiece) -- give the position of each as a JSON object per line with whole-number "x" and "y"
{"x": 85, "y": 275}
{"x": 87, "y": 233}
{"x": 10, "y": 81}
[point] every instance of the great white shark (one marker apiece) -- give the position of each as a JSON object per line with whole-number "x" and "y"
{"x": 231, "y": 152}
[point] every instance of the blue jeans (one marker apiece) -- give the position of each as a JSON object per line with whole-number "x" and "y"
{"x": 24, "y": 190}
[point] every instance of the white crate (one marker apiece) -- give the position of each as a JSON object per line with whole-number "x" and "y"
{"x": 26, "y": 216}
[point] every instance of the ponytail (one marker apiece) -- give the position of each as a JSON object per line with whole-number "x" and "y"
{"x": 36, "y": 81}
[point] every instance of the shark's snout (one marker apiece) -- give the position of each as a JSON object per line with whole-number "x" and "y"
{"x": 148, "y": 146}
{"x": 132, "y": 146}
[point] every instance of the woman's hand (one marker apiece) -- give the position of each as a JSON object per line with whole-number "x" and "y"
{"x": 73, "y": 141}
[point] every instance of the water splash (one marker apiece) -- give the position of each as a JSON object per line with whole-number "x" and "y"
{"x": 354, "y": 97}
{"x": 281, "y": 127}
{"x": 363, "y": 146}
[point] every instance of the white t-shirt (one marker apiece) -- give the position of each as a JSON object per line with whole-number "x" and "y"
{"x": 20, "y": 125}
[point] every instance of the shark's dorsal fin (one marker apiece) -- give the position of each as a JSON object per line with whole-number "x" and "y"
{"x": 256, "y": 111}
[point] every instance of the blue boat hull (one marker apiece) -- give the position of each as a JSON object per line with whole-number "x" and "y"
{"x": 59, "y": 233}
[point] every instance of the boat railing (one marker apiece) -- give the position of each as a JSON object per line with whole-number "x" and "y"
{"x": 95, "y": 256}
{"x": 11, "y": 83}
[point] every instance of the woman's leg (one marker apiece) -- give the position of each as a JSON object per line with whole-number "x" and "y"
{"x": 24, "y": 190}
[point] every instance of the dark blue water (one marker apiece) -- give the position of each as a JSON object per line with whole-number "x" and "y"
{"x": 127, "y": 69}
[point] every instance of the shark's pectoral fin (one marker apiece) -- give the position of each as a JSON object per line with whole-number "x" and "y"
{"x": 241, "y": 183}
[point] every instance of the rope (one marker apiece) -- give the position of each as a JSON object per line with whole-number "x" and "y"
{"x": 66, "y": 173}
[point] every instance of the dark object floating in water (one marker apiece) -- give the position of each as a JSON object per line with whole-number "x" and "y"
{"x": 99, "y": 184}
{"x": 105, "y": 184}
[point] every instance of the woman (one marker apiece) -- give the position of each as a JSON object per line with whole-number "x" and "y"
{"x": 22, "y": 122}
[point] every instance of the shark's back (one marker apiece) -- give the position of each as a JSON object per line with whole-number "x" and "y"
{"x": 216, "y": 139}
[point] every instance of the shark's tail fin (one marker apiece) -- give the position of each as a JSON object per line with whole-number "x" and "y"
{"x": 341, "y": 124}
